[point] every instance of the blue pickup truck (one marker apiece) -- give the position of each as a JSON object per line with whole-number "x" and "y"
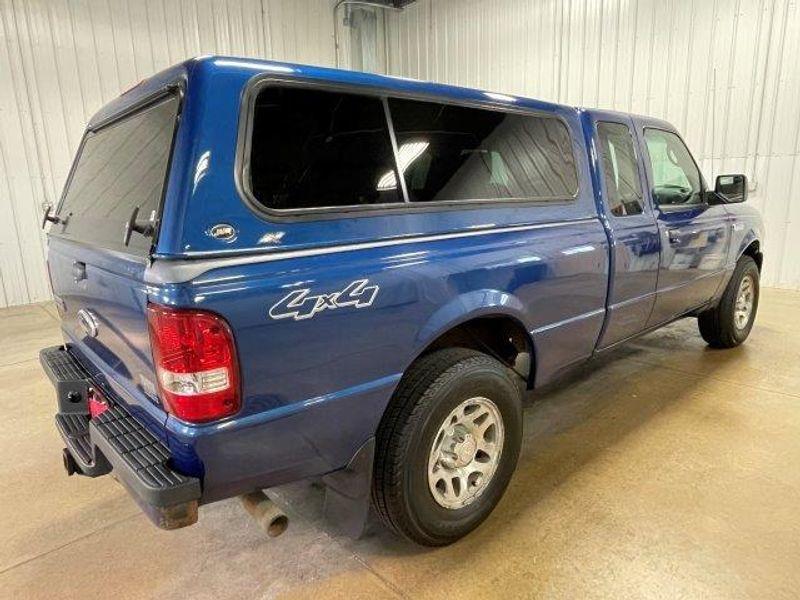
{"x": 269, "y": 272}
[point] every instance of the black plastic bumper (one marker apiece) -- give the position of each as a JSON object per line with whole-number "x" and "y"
{"x": 116, "y": 440}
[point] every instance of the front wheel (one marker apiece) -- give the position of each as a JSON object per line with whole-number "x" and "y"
{"x": 729, "y": 323}
{"x": 447, "y": 446}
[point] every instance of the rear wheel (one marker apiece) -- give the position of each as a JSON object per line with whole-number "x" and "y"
{"x": 729, "y": 323}
{"x": 447, "y": 446}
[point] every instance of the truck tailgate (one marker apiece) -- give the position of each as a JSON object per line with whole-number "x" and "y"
{"x": 102, "y": 300}
{"x": 96, "y": 270}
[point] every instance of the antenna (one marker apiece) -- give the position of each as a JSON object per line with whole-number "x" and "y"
{"x": 713, "y": 119}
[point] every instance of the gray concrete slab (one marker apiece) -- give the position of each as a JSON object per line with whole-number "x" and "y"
{"x": 665, "y": 469}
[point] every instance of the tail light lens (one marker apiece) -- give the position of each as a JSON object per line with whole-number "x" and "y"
{"x": 195, "y": 361}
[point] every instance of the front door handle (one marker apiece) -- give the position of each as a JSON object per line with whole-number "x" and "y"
{"x": 673, "y": 236}
{"x": 79, "y": 271}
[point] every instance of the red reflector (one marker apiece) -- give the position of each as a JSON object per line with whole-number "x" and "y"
{"x": 195, "y": 360}
{"x": 97, "y": 404}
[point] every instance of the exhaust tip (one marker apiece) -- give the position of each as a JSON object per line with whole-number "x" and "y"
{"x": 265, "y": 512}
{"x": 278, "y": 525}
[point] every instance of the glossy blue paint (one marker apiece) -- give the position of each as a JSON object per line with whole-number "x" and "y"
{"x": 116, "y": 295}
{"x": 694, "y": 246}
{"x": 575, "y": 277}
{"x": 635, "y": 245}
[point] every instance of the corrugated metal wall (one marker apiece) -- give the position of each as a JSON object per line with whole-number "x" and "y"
{"x": 725, "y": 72}
{"x": 60, "y": 60}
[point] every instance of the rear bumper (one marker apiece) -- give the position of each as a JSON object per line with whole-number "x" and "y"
{"x": 115, "y": 440}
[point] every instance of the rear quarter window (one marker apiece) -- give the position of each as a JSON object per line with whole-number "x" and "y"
{"x": 119, "y": 167}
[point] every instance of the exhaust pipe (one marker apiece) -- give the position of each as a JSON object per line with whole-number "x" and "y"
{"x": 266, "y": 513}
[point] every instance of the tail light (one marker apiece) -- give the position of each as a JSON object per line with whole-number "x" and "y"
{"x": 195, "y": 361}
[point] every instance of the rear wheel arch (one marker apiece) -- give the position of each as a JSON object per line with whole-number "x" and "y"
{"x": 497, "y": 334}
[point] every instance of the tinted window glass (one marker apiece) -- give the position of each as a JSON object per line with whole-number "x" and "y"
{"x": 620, "y": 169}
{"x": 676, "y": 179}
{"x": 451, "y": 152}
{"x": 120, "y": 167}
{"x": 315, "y": 148}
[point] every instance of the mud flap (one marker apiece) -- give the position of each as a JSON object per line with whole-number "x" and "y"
{"x": 347, "y": 493}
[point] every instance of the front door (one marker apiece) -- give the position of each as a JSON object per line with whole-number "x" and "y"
{"x": 694, "y": 235}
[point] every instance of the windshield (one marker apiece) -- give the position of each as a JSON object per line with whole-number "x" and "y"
{"x": 119, "y": 167}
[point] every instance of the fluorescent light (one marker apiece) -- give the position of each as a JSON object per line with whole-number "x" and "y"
{"x": 406, "y": 154}
{"x": 202, "y": 168}
{"x": 500, "y": 97}
{"x": 254, "y": 65}
{"x": 578, "y": 249}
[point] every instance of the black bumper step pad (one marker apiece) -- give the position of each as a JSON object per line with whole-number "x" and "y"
{"x": 74, "y": 428}
{"x": 116, "y": 439}
{"x": 144, "y": 455}
{"x": 63, "y": 365}
{"x": 68, "y": 377}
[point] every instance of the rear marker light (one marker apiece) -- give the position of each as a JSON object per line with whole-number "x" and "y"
{"x": 195, "y": 360}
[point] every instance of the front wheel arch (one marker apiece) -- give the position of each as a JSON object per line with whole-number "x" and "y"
{"x": 753, "y": 250}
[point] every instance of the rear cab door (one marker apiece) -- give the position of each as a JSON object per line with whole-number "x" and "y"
{"x": 628, "y": 215}
{"x": 98, "y": 279}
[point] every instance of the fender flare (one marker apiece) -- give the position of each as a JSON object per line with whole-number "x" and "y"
{"x": 751, "y": 237}
{"x": 466, "y": 307}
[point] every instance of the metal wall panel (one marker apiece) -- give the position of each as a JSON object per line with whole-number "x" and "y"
{"x": 725, "y": 72}
{"x": 61, "y": 60}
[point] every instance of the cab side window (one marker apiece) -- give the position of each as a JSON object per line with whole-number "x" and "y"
{"x": 620, "y": 169}
{"x": 676, "y": 179}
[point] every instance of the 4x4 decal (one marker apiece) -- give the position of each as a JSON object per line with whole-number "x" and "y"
{"x": 300, "y": 304}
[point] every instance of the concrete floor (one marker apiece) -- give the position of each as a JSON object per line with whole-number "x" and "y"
{"x": 666, "y": 470}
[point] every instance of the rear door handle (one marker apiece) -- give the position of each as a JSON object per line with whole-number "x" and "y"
{"x": 79, "y": 270}
{"x": 673, "y": 236}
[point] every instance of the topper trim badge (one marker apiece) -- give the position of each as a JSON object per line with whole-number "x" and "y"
{"x": 301, "y": 304}
{"x": 223, "y": 232}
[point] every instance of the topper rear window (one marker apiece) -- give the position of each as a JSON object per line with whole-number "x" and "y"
{"x": 119, "y": 167}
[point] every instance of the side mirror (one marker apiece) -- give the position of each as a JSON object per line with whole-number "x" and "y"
{"x": 732, "y": 187}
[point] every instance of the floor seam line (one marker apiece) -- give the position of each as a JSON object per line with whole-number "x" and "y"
{"x": 325, "y": 531}
{"x": 21, "y": 362}
{"x": 69, "y": 543}
{"x": 720, "y": 379}
{"x": 388, "y": 583}
{"x": 47, "y": 312}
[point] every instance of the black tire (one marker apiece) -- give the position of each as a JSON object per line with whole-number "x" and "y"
{"x": 718, "y": 325}
{"x": 433, "y": 387}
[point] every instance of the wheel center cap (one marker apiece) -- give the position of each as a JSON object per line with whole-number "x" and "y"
{"x": 465, "y": 451}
